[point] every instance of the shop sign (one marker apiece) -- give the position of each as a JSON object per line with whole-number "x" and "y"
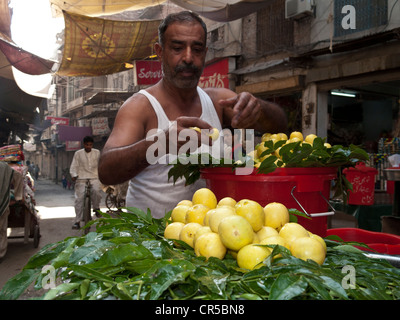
{"x": 58, "y": 120}
{"x": 215, "y": 75}
{"x": 147, "y": 72}
{"x": 72, "y": 145}
{"x": 100, "y": 126}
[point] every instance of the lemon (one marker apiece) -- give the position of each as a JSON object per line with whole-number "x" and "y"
{"x": 260, "y": 149}
{"x": 276, "y": 215}
{"x": 310, "y": 138}
{"x": 206, "y": 197}
{"x": 283, "y": 136}
{"x": 266, "y": 232}
{"x": 256, "y": 238}
{"x": 210, "y": 245}
{"x": 196, "y": 213}
{"x": 308, "y": 248}
{"x": 266, "y": 136}
{"x": 291, "y": 231}
{"x": 173, "y": 230}
{"x": 179, "y": 213}
{"x": 252, "y": 212}
{"x": 188, "y": 232}
{"x": 251, "y": 256}
{"x": 274, "y": 240}
{"x": 206, "y": 221}
{"x": 196, "y": 129}
{"x": 327, "y": 145}
{"x": 214, "y": 134}
{"x": 185, "y": 203}
{"x": 217, "y": 216}
{"x": 199, "y": 232}
{"x": 227, "y": 201}
{"x": 235, "y": 232}
{"x": 296, "y": 134}
{"x": 317, "y": 237}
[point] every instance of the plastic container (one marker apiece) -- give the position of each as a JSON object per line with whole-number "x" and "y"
{"x": 362, "y": 178}
{"x": 305, "y": 189}
{"x": 378, "y": 241}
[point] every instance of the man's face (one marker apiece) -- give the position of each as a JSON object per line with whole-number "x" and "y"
{"x": 88, "y": 146}
{"x": 183, "y": 55}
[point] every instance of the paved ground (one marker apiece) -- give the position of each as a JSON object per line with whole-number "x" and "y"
{"x": 56, "y": 213}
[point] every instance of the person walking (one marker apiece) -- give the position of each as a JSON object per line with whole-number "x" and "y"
{"x": 84, "y": 166}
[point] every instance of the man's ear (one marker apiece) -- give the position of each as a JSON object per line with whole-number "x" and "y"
{"x": 158, "y": 49}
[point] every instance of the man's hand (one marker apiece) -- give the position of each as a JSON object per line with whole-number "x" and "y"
{"x": 246, "y": 110}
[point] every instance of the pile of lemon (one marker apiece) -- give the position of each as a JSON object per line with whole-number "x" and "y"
{"x": 214, "y": 228}
{"x": 294, "y": 136}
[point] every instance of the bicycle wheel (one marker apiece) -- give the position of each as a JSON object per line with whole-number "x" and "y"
{"x": 86, "y": 212}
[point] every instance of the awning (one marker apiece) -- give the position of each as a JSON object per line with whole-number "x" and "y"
{"x": 96, "y": 47}
{"x": 108, "y": 97}
{"x": 218, "y": 10}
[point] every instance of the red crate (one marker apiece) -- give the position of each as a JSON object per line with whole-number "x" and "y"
{"x": 378, "y": 241}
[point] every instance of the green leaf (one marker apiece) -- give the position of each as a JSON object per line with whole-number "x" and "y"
{"x": 17, "y": 285}
{"x": 287, "y": 287}
{"x": 60, "y": 290}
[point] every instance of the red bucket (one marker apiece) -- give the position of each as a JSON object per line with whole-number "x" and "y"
{"x": 305, "y": 189}
{"x": 362, "y": 178}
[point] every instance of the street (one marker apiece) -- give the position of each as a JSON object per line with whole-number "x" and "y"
{"x": 55, "y": 207}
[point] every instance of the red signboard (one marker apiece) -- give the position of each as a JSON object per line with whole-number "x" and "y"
{"x": 58, "y": 120}
{"x": 214, "y": 75}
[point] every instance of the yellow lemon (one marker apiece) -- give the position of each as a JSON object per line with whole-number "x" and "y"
{"x": 214, "y": 134}
{"x": 251, "y": 256}
{"x": 283, "y": 136}
{"x": 173, "y": 230}
{"x": 276, "y": 215}
{"x": 185, "y": 203}
{"x": 320, "y": 239}
{"x": 274, "y": 240}
{"x": 266, "y": 232}
{"x": 327, "y": 145}
{"x": 210, "y": 245}
{"x": 199, "y": 232}
{"x": 206, "y": 221}
{"x": 260, "y": 149}
{"x": 308, "y": 248}
{"x": 256, "y": 238}
{"x": 266, "y": 136}
{"x": 296, "y": 134}
{"x": 227, "y": 201}
{"x": 196, "y": 213}
{"x": 235, "y": 232}
{"x": 188, "y": 232}
{"x": 206, "y": 197}
{"x": 252, "y": 212}
{"x": 217, "y": 216}
{"x": 179, "y": 213}
{"x": 291, "y": 231}
{"x": 196, "y": 129}
{"x": 310, "y": 138}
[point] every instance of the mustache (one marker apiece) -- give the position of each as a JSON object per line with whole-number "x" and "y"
{"x": 187, "y": 67}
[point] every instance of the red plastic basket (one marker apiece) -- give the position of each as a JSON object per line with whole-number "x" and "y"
{"x": 378, "y": 241}
{"x": 305, "y": 189}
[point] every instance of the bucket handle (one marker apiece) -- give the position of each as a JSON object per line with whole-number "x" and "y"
{"x": 329, "y": 213}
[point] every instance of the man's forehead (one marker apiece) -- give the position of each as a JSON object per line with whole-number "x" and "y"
{"x": 186, "y": 28}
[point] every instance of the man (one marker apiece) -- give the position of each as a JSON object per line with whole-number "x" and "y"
{"x": 174, "y": 104}
{"x": 84, "y": 166}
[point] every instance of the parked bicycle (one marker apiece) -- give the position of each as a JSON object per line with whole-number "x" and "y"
{"x": 87, "y": 206}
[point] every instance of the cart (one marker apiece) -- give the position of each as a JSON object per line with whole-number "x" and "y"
{"x": 23, "y": 214}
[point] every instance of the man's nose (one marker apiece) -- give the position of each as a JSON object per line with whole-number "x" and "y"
{"x": 188, "y": 56}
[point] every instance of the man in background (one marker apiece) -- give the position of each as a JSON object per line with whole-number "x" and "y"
{"x": 83, "y": 167}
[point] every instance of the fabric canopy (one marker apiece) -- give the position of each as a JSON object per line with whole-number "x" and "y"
{"x": 218, "y": 10}
{"x": 24, "y": 61}
{"x": 95, "y": 47}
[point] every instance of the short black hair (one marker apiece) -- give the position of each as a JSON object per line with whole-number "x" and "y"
{"x": 182, "y": 16}
{"x": 88, "y": 139}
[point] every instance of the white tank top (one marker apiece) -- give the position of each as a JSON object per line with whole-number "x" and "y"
{"x": 150, "y": 189}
